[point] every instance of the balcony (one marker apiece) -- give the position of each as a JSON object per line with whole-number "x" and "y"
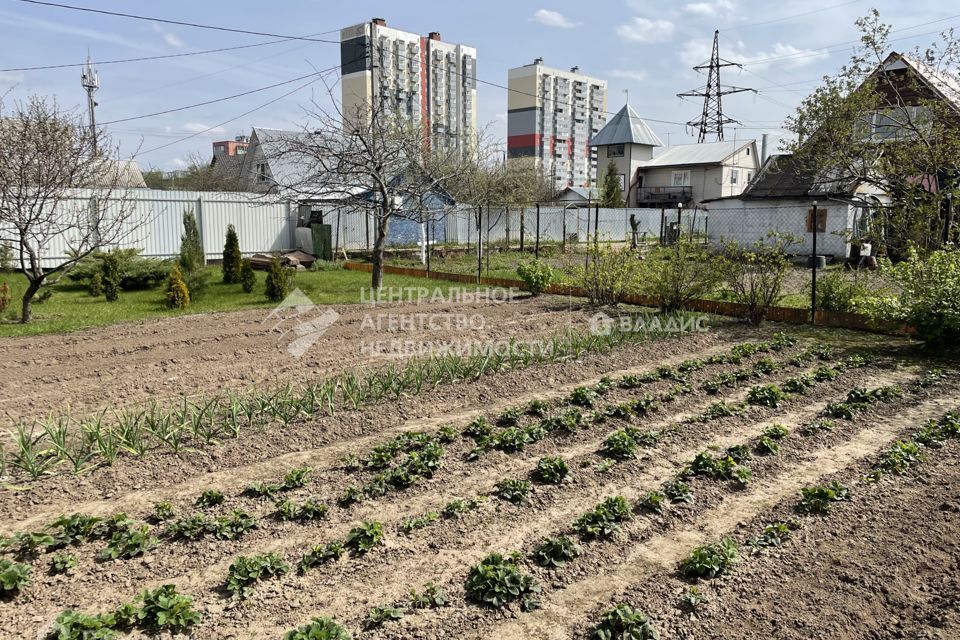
{"x": 659, "y": 196}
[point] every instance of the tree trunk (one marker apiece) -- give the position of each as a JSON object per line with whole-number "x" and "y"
{"x": 380, "y": 242}
{"x": 26, "y": 307}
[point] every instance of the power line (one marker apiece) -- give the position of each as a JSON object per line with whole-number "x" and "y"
{"x": 180, "y": 23}
{"x": 208, "y": 102}
{"x": 150, "y": 58}
{"x": 796, "y": 15}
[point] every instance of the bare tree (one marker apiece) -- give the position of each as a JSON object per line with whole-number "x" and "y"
{"x": 45, "y": 155}
{"x": 375, "y": 160}
{"x": 199, "y": 175}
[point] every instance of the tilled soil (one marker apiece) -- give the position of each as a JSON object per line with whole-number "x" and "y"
{"x": 643, "y": 553}
{"x": 122, "y": 365}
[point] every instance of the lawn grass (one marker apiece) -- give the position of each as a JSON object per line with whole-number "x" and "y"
{"x": 71, "y": 307}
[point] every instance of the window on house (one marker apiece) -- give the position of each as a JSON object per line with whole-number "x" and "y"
{"x": 615, "y": 151}
{"x": 261, "y": 172}
{"x": 680, "y": 179}
{"x": 898, "y": 122}
{"x": 748, "y": 151}
{"x": 734, "y": 176}
{"x": 749, "y": 176}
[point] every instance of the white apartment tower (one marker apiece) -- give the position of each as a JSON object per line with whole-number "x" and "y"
{"x": 551, "y": 116}
{"x": 422, "y": 77}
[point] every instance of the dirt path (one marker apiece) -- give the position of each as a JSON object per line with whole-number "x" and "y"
{"x": 127, "y": 363}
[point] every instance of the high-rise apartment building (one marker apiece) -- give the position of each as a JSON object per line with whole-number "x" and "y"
{"x": 551, "y": 116}
{"x": 422, "y": 77}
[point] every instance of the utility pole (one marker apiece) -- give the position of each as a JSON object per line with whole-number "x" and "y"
{"x": 712, "y": 119}
{"x": 90, "y": 81}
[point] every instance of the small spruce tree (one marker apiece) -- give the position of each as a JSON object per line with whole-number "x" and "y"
{"x": 231, "y": 257}
{"x": 278, "y": 282}
{"x": 192, "y": 258}
{"x": 611, "y": 195}
{"x": 111, "y": 276}
{"x": 248, "y": 279}
{"x": 178, "y": 295}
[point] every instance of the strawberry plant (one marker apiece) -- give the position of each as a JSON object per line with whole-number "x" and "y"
{"x": 78, "y": 528}
{"x": 630, "y": 381}
{"x": 537, "y": 408}
{"x": 768, "y": 395}
{"x": 776, "y": 431}
{"x": 645, "y": 405}
{"x": 652, "y": 501}
{"x": 378, "y": 616}
{"x": 318, "y": 629}
{"x": 603, "y": 520}
{"x": 842, "y": 410}
{"x": 351, "y": 496}
{"x": 765, "y": 366}
{"x": 165, "y": 610}
{"x": 710, "y": 560}
{"x": 457, "y": 507}
{"x": 497, "y": 581}
{"x": 623, "y": 622}
{"x": 129, "y": 543}
{"x": 897, "y": 459}
{"x": 245, "y": 572}
{"x": 262, "y": 490}
{"x": 233, "y": 526}
{"x": 551, "y": 470}
{"x": 432, "y": 597}
{"x": 189, "y": 528}
{"x": 210, "y": 498}
{"x": 446, "y": 434}
{"x": 583, "y": 397}
{"x": 365, "y": 537}
{"x": 620, "y": 411}
{"x": 71, "y": 625}
{"x": 514, "y": 491}
{"x": 677, "y": 490}
{"x": 296, "y": 478}
{"x": 511, "y": 440}
{"x": 27, "y": 545}
{"x": 556, "y": 552}
{"x": 739, "y": 453}
{"x": 309, "y": 510}
{"x": 478, "y": 429}
{"x": 62, "y": 563}
{"x": 820, "y": 499}
{"x": 817, "y": 426}
{"x": 767, "y": 446}
{"x": 798, "y": 384}
{"x": 321, "y": 554}
{"x": 510, "y": 417}
{"x": 410, "y": 525}
{"x": 932, "y": 378}
{"x": 774, "y": 534}
{"x": 619, "y": 445}
{"x": 719, "y": 410}
{"x": 825, "y": 374}
{"x": 163, "y": 511}
{"x": 693, "y": 598}
{"x": 568, "y": 421}
{"x": 14, "y": 577}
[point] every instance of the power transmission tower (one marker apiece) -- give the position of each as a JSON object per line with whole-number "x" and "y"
{"x": 90, "y": 80}
{"x": 712, "y": 119}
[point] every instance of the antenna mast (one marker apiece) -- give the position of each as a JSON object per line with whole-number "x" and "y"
{"x": 712, "y": 119}
{"x": 90, "y": 81}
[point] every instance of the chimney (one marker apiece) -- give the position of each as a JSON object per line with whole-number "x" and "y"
{"x": 379, "y": 22}
{"x": 538, "y": 60}
{"x": 435, "y": 35}
{"x": 574, "y": 69}
{"x": 763, "y": 148}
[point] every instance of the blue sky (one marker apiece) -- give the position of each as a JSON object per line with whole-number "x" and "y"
{"x": 645, "y": 46}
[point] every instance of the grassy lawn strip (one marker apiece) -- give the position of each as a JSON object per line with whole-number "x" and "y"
{"x": 71, "y": 308}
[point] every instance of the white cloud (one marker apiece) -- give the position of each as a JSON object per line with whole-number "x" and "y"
{"x": 711, "y": 8}
{"x": 645, "y": 30}
{"x": 170, "y": 38}
{"x": 550, "y": 18}
{"x": 698, "y": 51}
{"x": 199, "y": 127}
{"x": 628, "y": 74}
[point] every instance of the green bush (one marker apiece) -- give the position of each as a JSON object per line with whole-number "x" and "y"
{"x": 248, "y": 279}
{"x": 678, "y": 274}
{"x": 279, "y": 281}
{"x": 192, "y": 257}
{"x": 231, "y": 264}
{"x": 178, "y": 296}
{"x": 111, "y": 276}
{"x": 754, "y": 274}
{"x": 6, "y": 257}
{"x": 839, "y": 291}
{"x": 95, "y": 288}
{"x": 497, "y": 581}
{"x": 163, "y": 609}
{"x": 536, "y": 275}
{"x": 135, "y": 271}
{"x": 609, "y": 276}
{"x": 623, "y": 622}
{"x": 929, "y": 297}
{"x": 319, "y": 629}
